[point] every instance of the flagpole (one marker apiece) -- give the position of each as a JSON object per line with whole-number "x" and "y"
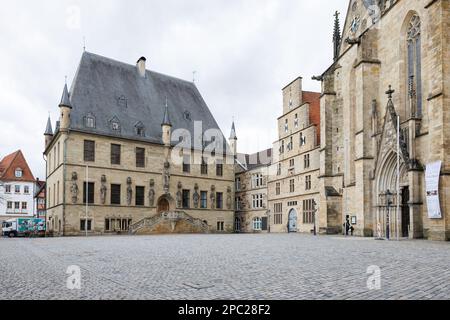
{"x": 87, "y": 200}
{"x": 398, "y": 178}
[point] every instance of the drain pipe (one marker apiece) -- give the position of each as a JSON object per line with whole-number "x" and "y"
{"x": 64, "y": 181}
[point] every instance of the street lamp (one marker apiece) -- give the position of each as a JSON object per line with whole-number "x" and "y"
{"x": 389, "y": 203}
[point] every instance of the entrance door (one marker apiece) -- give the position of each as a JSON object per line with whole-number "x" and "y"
{"x": 265, "y": 224}
{"x": 163, "y": 205}
{"x": 405, "y": 212}
{"x": 237, "y": 225}
{"x": 293, "y": 221}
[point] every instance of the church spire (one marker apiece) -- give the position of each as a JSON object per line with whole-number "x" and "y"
{"x": 233, "y": 135}
{"x": 336, "y": 36}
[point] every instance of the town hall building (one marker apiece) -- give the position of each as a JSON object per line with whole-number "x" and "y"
{"x": 136, "y": 151}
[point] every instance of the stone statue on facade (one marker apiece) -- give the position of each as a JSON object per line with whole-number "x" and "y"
{"x": 129, "y": 192}
{"x": 74, "y": 188}
{"x": 213, "y": 197}
{"x": 103, "y": 190}
{"x": 196, "y": 196}
{"x": 151, "y": 193}
{"x": 166, "y": 177}
{"x": 180, "y": 195}
{"x": 229, "y": 200}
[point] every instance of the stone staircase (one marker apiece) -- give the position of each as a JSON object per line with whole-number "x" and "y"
{"x": 169, "y": 222}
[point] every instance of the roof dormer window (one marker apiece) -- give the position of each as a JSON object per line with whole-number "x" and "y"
{"x": 89, "y": 121}
{"x": 19, "y": 173}
{"x": 115, "y": 125}
{"x": 140, "y": 129}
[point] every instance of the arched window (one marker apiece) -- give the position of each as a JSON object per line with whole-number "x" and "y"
{"x": 414, "y": 66}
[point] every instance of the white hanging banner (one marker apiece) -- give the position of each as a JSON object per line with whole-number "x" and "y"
{"x": 432, "y": 176}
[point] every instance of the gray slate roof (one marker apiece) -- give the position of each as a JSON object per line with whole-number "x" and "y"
{"x": 114, "y": 91}
{"x": 65, "y": 99}
{"x": 49, "y": 129}
{"x": 256, "y": 160}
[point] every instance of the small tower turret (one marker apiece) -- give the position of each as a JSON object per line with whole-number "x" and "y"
{"x": 66, "y": 108}
{"x": 166, "y": 126}
{"x": 48, "y": 133}
{"x": 233, "y": 140}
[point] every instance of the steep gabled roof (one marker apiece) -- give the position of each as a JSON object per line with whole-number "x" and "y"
{"x": 250, "y": 162}
{"x": 107, "y": 88}
{"x": 14, "y": 161}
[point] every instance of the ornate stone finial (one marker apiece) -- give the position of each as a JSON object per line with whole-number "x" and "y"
{"x": 336, "y": 36}
{"x": 390, "y": 92}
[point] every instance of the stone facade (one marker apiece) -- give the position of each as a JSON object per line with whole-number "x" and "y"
{"x": 405, "y": 45}
{"x": 293, "y": 181}
{"x": 163, "y": 183}
{"x": 252, "y": 174}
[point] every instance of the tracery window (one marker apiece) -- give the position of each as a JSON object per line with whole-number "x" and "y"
{"x": 415, "y": 65}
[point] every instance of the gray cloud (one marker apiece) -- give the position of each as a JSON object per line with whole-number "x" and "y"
{"x": 244, "y": 52}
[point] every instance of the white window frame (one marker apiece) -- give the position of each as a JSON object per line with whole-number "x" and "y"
{"x": 258, "y": 200}
{"x": 257, "y": 224}
{"x": 257, "y": 180}
{"x": 18, "y": 173}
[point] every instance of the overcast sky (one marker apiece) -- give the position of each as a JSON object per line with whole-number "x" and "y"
{"x": 244, "y": 52}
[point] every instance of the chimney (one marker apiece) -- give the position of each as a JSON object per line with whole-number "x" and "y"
{"x": 141, "y": 66}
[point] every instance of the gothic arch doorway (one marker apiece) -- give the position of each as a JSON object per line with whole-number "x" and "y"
{"x": 292, "y": 226}
{"x": 387, "y": 218}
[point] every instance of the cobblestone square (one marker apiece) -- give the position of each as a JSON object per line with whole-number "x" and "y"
{"x": 223, "y": 267}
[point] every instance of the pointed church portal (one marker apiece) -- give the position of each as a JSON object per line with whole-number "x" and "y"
{"x": 394, "y": 169}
